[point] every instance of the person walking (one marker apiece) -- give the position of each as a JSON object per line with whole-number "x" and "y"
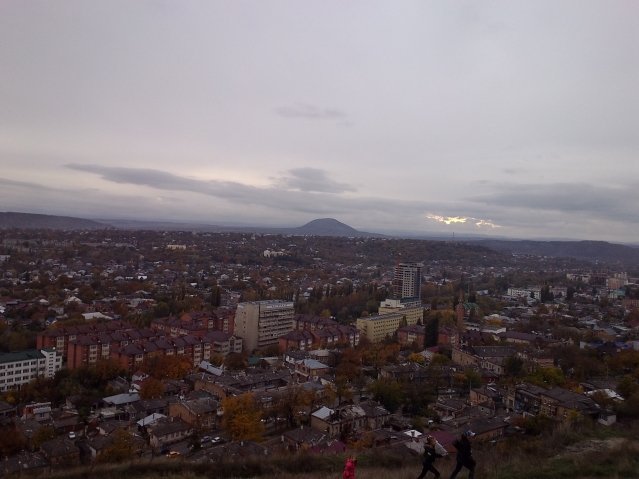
{"x": 431, "y": 452}
{"x": 464, "y": 455}
{"x": 349, "y": 468}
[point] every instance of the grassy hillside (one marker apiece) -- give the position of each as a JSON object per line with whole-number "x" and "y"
{"x": 581, "y": 451}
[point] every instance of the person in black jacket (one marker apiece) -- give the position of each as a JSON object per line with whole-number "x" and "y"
{"x": 464, "y": 455}
{"x": 430, "y": 454}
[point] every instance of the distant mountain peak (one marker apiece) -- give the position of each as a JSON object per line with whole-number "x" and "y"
{"x": 329, "y": 227}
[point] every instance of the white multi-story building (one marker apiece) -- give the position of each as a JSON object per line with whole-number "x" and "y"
{"x": 18, "y": 368}
{"x": 261, "y": 323}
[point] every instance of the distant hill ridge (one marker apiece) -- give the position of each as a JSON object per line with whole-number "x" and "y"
{"x": 318, "y": 227}
{"x": 588, "y": 250}
{"x": 33, "y": 221}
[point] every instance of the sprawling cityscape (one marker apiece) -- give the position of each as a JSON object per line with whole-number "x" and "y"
{"x": 304, "y": 240}
{"x": 121, "y": 344}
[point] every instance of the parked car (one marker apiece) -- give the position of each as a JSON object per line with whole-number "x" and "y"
{"x": 72, "y": 435}
{"x": 205, "y": 439}
{"x": 217, "y": 440}
{"x": 173, "y": 454}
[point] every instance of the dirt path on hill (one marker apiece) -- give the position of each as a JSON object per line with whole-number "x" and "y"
{"x": 593, "y": 445}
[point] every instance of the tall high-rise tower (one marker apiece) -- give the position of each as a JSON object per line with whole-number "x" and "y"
{"x": 408, "y": 280}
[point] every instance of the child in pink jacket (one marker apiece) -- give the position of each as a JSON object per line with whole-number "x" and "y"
{"x": 349, "y": 468}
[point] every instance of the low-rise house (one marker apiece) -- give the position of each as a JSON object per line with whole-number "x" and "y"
{"x": 7, "y": 410}
{"x": 411, "y": 334}
{"x": 376, "y": 416}
{"x": 409, "y": 372}
{"x": 487, "y": 393}
{"x": 525, "y": 398}
{"x": 310, "y": 370}
{"x": 559, "y": 403}
{"x": 448, "y": 336}
{"x": 147, "y": 407}
{"x": 197, "y": 412}
{"x": 24, "y": 464}
{"x": 343, "y": 420}
{"x": 225, "y": 343}
{"x": 450, "y": 407}
{"x": 98, "y": 444}
{"x": 61, "y": 452}
{"x": 168, "y": 433}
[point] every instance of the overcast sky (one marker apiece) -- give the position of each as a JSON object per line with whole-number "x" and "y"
{"x": 515, "y": 118}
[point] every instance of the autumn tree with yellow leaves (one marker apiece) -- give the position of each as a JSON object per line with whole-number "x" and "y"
{"x": 242, "y": 418}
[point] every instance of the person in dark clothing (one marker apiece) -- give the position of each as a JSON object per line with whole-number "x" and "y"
{"x": 431, "y": 452}
{"x": 464, "y": 455}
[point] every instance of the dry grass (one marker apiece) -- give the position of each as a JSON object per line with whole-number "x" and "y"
{"x": 577, "y": 451}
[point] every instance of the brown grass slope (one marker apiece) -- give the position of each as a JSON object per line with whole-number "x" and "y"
{"x": 570, "y": 451}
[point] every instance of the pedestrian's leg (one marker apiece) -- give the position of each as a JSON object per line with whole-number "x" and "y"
{"x": 432, "y": 469}
{"x": 456, "y": 471}
{"x": 471, "y": 471}
{"x": 424, "y": 471}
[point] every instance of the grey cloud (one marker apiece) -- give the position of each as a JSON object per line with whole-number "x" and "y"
{"x": 600, "y": 202}
{"x": 311, "y": 112}
{"x": 263, "y": 206}
{"x": 30, "y": 197}
{"x": 314, "y": 180}
{"x": 307, "y": 198}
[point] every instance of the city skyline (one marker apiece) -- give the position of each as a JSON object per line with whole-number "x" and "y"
{"x": 516, "y": 120}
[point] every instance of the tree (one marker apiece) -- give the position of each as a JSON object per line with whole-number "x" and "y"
{"x": 339, "y": 390}
{"x": 431, "y": 332}
{"x": 151, "y": 388}
{"x": 216, "y": 360}
{"x": 43, "y": 434}
{"x": 627, "y": 386}
{"x": 348, "y": 370}
{"x": 163, "y": 367}
{"x": 235, "y": 362}
{"x": 121, "y": 450}
{"x": 440, "y": 360}
{"x": 513, "y": 366}
{"x": 416, "y": 358}
{"x": 546, "y": 377}
{"x": 120, "y": 307}
{"x": 242, "y": 418}
{"x": 292, "y": 401}
{"x": 10, "y": 441}
{"x": 474, "y": 377}
{"x": 389, "y": 393}
{"x": 360, "y": 383}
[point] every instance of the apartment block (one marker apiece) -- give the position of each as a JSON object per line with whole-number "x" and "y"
{"x": 376, "y": 328}
{"x": 262, "y": 323}
{"x": 196, "y": 349}
{"x": 90, "y": 348}
{"x": 19, "y": 368}
{"x": 409, "y": 307}
{"x": 408, "y": 280}
{"x": 59, "y": 338}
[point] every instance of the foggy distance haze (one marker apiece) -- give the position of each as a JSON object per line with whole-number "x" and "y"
{"x": 515, "y": 118}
